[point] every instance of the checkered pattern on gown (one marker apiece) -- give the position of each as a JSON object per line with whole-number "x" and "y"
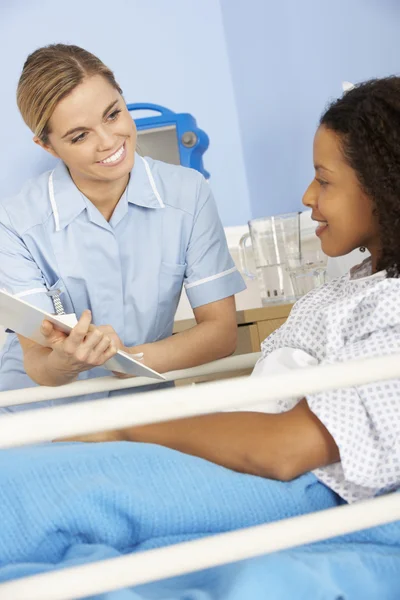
{"x": 352, "y": 317}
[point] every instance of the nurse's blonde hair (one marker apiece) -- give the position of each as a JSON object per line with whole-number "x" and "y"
{"x": 49, "y": 75}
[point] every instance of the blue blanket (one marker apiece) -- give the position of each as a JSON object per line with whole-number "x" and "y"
{"x": 66, "y": 504}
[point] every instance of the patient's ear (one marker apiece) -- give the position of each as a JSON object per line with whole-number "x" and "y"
{"x": 46, "y": 146}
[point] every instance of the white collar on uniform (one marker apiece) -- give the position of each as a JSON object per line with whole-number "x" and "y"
{"x": 68, "y": 202}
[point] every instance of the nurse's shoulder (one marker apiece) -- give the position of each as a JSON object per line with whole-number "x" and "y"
{"x": 180, "y": 187}
{"x": 29, "y": 208}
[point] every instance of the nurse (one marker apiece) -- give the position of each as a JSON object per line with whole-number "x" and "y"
{"x": 112, "y": 235}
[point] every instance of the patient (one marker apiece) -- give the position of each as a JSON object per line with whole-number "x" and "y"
{"x": 349, "y": 438}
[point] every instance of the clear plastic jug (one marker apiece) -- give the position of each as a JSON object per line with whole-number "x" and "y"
{"x": 273, "y": 240}
{"x": 310, "y": 269}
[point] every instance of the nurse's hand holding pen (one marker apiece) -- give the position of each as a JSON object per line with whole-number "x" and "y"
{"x": 85, "y": 347}
{"x": 65, "y": 356}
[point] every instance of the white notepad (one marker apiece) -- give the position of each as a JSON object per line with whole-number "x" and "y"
{"x": 26, "y": 319}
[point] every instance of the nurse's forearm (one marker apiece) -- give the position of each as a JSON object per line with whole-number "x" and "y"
{"x": 44, "y": 368}
{"x": 203, "y": 343}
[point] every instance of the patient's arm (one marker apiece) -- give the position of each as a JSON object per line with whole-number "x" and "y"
{"x": 279, "y": 446}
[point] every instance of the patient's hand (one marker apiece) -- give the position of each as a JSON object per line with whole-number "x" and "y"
{"x": 102, "y": 436}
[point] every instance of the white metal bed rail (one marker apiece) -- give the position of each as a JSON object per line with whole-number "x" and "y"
{"x": 135, "y": 569}
{"x": 49, "y": 423}
{"x": 107, "y": 384}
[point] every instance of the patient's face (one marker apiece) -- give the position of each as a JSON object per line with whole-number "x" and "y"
{"x": 338, "y": 202}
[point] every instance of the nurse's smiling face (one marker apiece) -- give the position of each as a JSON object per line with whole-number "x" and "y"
{"x": 92, "y": 131}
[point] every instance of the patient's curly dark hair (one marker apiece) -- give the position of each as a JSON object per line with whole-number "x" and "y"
{"x": 367, "y": 119}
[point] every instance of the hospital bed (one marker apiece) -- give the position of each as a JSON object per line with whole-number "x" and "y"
{"x": 130, "y": 570}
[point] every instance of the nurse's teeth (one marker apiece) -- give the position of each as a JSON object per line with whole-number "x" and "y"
{"x": 114, "y": 157}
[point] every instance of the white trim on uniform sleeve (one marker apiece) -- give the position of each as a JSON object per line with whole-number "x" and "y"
{"x": 53, "y": 202}
{"x": 211, "y": 278}
{"x": 153, "y": 183}
{"x": 30, "y": 292}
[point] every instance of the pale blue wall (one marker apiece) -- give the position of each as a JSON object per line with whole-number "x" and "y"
{"x": 170, "y": 52}
{"x": 287, "y": 58}
{"x": 255, "y": 73}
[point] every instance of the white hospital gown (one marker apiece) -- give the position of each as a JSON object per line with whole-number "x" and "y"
{"x": 350, "y": 318}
